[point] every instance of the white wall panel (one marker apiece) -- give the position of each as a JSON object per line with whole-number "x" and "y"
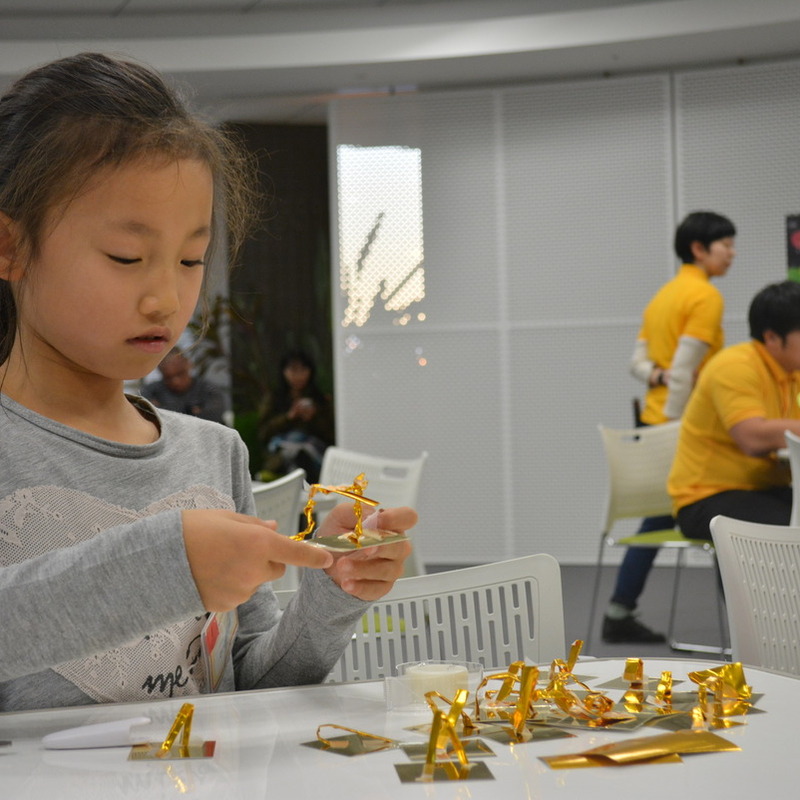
{"x": 557, "y": 457}
{"x": 390, "y": 405}
{"x": 737, "y": 146}
{"x": 548, "y": 218}
{"x": 588, "y": 210}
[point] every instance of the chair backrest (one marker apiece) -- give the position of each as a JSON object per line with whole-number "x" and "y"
{"x": 793, "y": 445}
{"x": 493, "y": 613}
{"x": 639, "y": 461}
{"x": 281, "y": 500}
{"x": 392, "y": 481}
{"x": 760, "y": 568}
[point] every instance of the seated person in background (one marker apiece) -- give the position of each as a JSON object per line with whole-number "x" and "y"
{"x": 302, "y": 424}
{"x": 180, "y": 390}
{"x": 681, "y": 329}
{"x": 745, "y": 398}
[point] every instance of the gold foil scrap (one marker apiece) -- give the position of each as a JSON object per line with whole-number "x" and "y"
{"x": 644, "y": 750}
{"x": 441, "y": 731}
{"x": 357, "y": 743}
{"x": 733, "y": 681}
{"x": 445, "y": 771}
{"x": 182, "y": 724}
{"x": 151, "y": 751}
{"x": 664, "y": 690}
{"x": 456, "y": 713}
{"x": 710, "y": 701}
{"x": 574, "y": 652}
{"x": 565, "y": 668}
{"x": 442, "y": 743}
{"x": 355, "y": 491}
{"x": 498, "y": 704}
{"x": 523, "y": 711}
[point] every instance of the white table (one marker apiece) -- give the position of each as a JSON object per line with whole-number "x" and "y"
{"x": 258, "y": 752}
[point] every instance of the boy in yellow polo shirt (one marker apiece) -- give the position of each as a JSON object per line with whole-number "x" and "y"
{"x": 682, "y": 324}
{"x": 745, "y": 398}
{"x": 681, "y": 329}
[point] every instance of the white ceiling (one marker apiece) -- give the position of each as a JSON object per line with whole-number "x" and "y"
{"x": 281, "y": 60}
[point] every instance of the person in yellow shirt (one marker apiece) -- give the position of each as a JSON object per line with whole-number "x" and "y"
{"x": 681, "y": 329}
{"x": 682, "y": 324}
{"x": 747, "y": 396}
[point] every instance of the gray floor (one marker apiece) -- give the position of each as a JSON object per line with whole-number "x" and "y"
{"x": 696, "y": 619}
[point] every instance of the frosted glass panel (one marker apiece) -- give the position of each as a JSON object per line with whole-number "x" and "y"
{"x": 454, "y": 136}
{"x": 380, "y": 231}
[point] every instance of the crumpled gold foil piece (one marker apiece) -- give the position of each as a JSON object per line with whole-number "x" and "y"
{"x": 550, "y": 705}
{"x": 734, "y": 685}
{"x": 664, "y": 690}
{"x": 722, "y": 692}
{"x": 633, "y": 699}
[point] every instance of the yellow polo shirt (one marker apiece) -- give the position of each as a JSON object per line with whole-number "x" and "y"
{"x": 688, "y": 305}
{"x": 740, "y": 383}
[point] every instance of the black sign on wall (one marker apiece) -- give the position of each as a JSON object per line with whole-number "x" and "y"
{"x": 793, "y": 246}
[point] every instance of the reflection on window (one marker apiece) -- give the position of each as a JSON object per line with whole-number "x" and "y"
{"x": 380, "y": 231}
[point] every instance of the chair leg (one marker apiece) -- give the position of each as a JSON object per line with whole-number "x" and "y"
{"x": 595, "y": 593}
{"x": 687, "y": 647}
{"x": 722, "y": 612}
{"x": 675, "y": 587}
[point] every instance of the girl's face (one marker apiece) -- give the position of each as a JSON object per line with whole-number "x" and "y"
{"x": 119, "y": 270}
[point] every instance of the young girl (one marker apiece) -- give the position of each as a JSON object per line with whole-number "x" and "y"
{"x": 121, "y": 526}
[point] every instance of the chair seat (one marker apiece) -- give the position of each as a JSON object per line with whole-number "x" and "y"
{"x": 671, "y": 537}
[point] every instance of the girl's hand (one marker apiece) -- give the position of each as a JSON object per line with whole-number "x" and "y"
{"x": 369, "y": 572}
{"x": 231, "y": 555}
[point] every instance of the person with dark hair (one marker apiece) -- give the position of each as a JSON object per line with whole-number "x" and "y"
{"x": 302, "y": 425}
{"x": 180, "y": 390}
{"x": 126, "y": 528}
{"x": 745, "y": 399}
{"x": 681, "y": 329}
{"x": 682, "y": 324}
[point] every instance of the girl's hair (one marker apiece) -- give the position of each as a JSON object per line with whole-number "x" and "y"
{"x": 64, "y": 121}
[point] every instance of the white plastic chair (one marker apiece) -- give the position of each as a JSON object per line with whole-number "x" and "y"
{"x": 392, "y": 481}
{"x": 639, "y": 461}
{"x": 493, "y": 613}
{"x": 793, "y": 445}
{"x": 282, "y": 500}
{"x": 760, "y": 568}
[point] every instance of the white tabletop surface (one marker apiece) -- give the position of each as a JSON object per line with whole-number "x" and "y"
{"x": 259, "y": 753}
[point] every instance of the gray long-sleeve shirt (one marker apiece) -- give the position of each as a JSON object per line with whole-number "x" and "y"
{"x": 98, "y": 600}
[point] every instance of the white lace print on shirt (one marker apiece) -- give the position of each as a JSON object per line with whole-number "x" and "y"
{"x": 165, "y": 663}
